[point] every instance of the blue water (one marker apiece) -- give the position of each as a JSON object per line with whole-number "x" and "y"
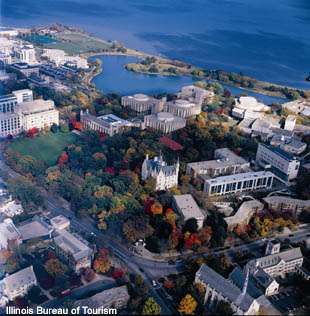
{"x": 115, "y": 78}
{"x": 268, "y": 39}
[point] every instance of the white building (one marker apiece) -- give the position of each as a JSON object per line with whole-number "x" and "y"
{"x": 19, "y": 283}
{"x": 116, "y": 297}
{"x": 282, "y": 164}
{"x": 10, "y": 207}
{"x": 9, "y": 234}
{"x": 195, "y": 94}
{"x": 297, "y": 106}
{"x": 60, "y": 222}
{"x": 183, "y": 108}
{"x": 142, "y": 103}
{"x": 165, "y": 176}
{"x": 109, "y": 124}
{"x": 187, "y": 207}
{"x": 248, "y": 107}
{"x": 278, "y": 263}
{"x": 38, "y": 114}
{"x": 8, "y": 32}
{"x": 219, "y": 289}
{"x": 26, "y": 54}
{"x": 73, "y": 251}
{"x": 244, "y": 214}
{"x": 19, "y": 112}
{"x": 164, "y": 122}
{"x": 226, "y": 162}
{"x": 290, "y": 122}
{"x": 240, "y": 182}
{"x": 59, "y": 58}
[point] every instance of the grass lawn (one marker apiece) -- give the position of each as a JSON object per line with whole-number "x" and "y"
{"x": 44, "y": 147}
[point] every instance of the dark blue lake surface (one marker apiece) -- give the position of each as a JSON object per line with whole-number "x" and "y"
{"x": 268, "y": 39}
{"x": 115, "y": 78}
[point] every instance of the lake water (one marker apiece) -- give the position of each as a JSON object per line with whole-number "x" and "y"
{"x": 115, "y": 78}
{"x": 268, "y": 39}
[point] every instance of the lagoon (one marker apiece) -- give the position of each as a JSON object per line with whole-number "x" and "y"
{"x": 115, "y": 78}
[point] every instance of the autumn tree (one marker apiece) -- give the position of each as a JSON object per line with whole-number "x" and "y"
{"x": 55, "y": 267}
{"x": 187, "y": 305}
{"x": 102, "y": 263}
{"x": 151, "y": 307}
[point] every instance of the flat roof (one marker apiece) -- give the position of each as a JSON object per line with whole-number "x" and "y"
{"x": 240, "y": 176}
{"x": 69, "y": 243}
{"x": 34, "y": 229}
{"x": 188, "y": 206}
{"x": 19, "y": 279}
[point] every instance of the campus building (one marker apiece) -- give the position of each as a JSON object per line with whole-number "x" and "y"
{"x": 218, "y": 289}
{"x": 73, "y": 251}
{"x": 277, "y": 263}
{"x": 18, "y": 283}
{"x": 195, "y": 94}
{"x": 10, "y": 236}
{"x": 240, "y": 182}
{"x": 164, "y": 122}
{"x": 142, "y": 103}
{"x": 19, "y": 112}
{"x": 282, "y": 164}
{"x": 183, "y": 108}
{"x": 109, "y": 124}
{"x": 225, "y": 162}
{"x": 186, "y": 206}
{"x": 165, "y": 176}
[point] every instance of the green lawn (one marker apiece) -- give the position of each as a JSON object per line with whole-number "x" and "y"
{"x": 44, "y": 147}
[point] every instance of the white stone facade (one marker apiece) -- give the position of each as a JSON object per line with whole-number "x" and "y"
{"x": 283, "y": 164}
{"x": 164, "y": 122}
{"x": 166, "y": 176}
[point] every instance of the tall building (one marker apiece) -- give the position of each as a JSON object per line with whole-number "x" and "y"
{"x": 26, "y": 54}
{"x": 19, "y": 112}
{"x": 283, "y": 164}
{"x": 166, "y": 177}
{"x": 9, "y": 235}
{"x": 164, "y": 122}
{"x": 195, "y": 94}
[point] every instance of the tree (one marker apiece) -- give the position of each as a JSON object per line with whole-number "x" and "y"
{"x": 151, "y": 307}
{"x": 187, "y": 305}
{"x": 223, "y": 308}
{"x": 55, "y": 268}
{"x": 156, "y": 208}
{"x": 102, "y": 263}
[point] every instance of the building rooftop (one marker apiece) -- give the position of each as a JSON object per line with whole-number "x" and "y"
{"x": 224, "y": 286}
{"x": 14, "y": 281}
{"x": 188, "y": 206}
{"x": 245, "y": 210}
{"x": 36, "y": 106}
{"x": 240, "y": 176}
{"x": 70, "y": 244}
{"x": 60, "y": 220}
{"x": 274, "y": 259}
{"x": 8, "y": 230}
{"x": 105, "y": 297}
{"x": 35, "y": 228}
{"x": 286, "y": 200}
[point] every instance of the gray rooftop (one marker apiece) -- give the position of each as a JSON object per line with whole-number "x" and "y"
{"x": 35, "y": 228}
{"x": 19, "y": 279}
{"x": 70, "y": 244}
{"x": 188, "y": 206}
{"x": 224, "y": 286}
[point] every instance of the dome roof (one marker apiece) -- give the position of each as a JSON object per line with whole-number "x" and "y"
{"x": 165, "y": 116}
{"x": 184, "y": 103}
{"x": 141, "y": 97}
